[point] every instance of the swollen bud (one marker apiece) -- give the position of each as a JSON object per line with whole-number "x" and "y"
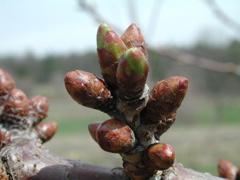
{"x": 132, "y": 73}
{"x": 114, "y": 136}
{"x": 133, "y": 37}
{"x": 46, "y": 130}
{"x": 110, "y": 48}
{"x": 88, "y": 90}
{"x": 165, "y": 98}
{"x": 6, "y": 84}
{"x": 160, "y": 156}
{"x": 38, "y": 108}
{"x": 17, "y": 103}
{"x": 227, "y": 170}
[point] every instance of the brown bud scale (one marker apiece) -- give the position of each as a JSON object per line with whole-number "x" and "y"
{"x": 114, "y": 136}
{"x": 160, "y": 156}
{"x": 46, "y": 130}
{"x": 6, "y": 84}
{"x": 38, "y": 108}
{"x": 93, "y": 129}
{"x": 165, "y": 98}
{"x": 88, "y": 90}
{"x": 226, "y": 169}
{"x": 133, "y": 37}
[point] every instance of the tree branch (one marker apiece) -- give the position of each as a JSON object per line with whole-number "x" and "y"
{"x": 25, "y": 159}
{"x": 224, "y": 18}
{"x": 97, "y": 17}
{"x": 189, "y": 59}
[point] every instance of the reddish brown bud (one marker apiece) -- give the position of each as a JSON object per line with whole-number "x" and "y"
{"x": 88, "y": 90}
{"x": 114, "y": 136}
{"x": 5, "y": 138}
{"x": 110, "y": 48}
{"x": 133, "y": 37}
{"x": 38, "y": 108}
{"x": 93, "y": 129}
{"x": 17, "y": 103}
{"x": 46, "y": 130}
{"x": 227, "y": 170}
{"x": 132, "y": 73}
{"x": 6, "y": 84}
{"x": 165, "y": 98}
{"x": 160, "y": 156}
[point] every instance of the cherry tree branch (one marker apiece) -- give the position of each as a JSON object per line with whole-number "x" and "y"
{"x": 224, "y": 18}
{"x": 25, "y": 159}
{"x": 189, "y": 59}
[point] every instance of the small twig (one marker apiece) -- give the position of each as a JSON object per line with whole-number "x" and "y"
{"x": 222, "y": 16}
{"x": 154, "y": 15}
{"x": 97, "y": 17}
{"x": 132, "y": 11}
{"x": 204, "y": 63}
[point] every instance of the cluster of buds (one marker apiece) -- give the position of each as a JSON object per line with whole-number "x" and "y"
{"x": 138, "y": 119}
{"x": 228, "y": 170}
{"x": 20, "y": 116}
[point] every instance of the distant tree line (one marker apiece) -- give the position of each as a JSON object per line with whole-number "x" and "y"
{"x": 40, "y": 69}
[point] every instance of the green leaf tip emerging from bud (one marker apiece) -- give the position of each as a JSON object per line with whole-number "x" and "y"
{"x": 136, "y": 61}
{"x": 132, "y": 72}
{"x": 110, "y": 48}
{"x": 102, "y": 31}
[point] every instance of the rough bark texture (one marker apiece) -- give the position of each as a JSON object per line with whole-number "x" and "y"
{"x": 26, "y": 159}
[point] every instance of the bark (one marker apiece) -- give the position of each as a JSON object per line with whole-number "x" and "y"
{"x": 26, "y": 159}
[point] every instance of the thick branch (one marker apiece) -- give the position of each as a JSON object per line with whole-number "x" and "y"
{"x": 25, "y": 159}
{"x": 189, "y": 174}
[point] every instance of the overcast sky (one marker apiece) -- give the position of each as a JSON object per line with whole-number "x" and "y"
{"x": 54, "y": 26}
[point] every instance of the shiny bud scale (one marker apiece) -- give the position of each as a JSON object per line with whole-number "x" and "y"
{"x": 93, "y": 129}
{"x": 114, "y": 136}
{"x": 6, "y": 84}
{"x": 87, "y": 89}
{"x": 165, "y": 98}
{"x": 38, "y": 108}
{"x": 46, "y": 130}
{"x": 160, "y": 156}
{"x": 226, "y": 169}
{"x": 133, "y": 37}
{"x": 17, "y": 103}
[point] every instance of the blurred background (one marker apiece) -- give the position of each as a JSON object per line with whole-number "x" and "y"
{"x": 199, "y": 39}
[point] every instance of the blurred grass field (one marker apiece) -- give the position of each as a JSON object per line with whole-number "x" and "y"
{"x": 199, "y": 144}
